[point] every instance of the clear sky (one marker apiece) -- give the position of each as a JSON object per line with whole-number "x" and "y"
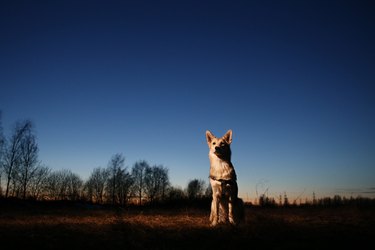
{"x": 294, "y": 80}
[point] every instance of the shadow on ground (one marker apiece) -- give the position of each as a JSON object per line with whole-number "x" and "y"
{"x": 91, "y": 227}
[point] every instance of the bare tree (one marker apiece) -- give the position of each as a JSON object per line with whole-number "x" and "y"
{"x": 12, "y": 157}
{"x": 29, "y": 160}
{"x": 74, "y": 188}
{"x": 164, "y": 180}
{"x": 124, "y": 188}
{"x": 286, "y": 200}
{"x": 38, "y": 183}
{"x": 96, "y": 184}
{"x": 175, "y": 194}
{"x": 2, "y": 151}
{"x": 195, "y": 189}
{"x": 114, "y": 169}
{"x": 150, "y": 183}
{"x": 64, "y": 185}
{"x": 155, "y": 182}
{"x": 2, "y": 138}
{"x": 138, "y": 175}
{"x": 53, "y": 189}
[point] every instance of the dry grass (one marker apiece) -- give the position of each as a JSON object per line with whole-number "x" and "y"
{"x": 76, "y": 226}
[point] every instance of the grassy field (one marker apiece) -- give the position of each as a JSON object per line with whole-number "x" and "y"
{"x": 72, "y": 226}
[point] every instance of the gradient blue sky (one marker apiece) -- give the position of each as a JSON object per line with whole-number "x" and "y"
{"x": 294, "y": 80}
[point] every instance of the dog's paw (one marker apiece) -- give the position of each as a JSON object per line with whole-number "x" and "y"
{"x": 213, "y": 224}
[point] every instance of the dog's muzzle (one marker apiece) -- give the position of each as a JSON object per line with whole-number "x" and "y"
{"x": 218, "y": 151}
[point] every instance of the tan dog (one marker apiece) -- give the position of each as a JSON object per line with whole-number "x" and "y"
{"x": 226, "y": 206}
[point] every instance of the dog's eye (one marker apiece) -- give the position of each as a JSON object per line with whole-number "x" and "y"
{"x": 214, "y": 143}
{"x": 222, "y": 144}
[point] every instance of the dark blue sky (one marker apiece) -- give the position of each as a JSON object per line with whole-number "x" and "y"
{"x": 293, "y": 79}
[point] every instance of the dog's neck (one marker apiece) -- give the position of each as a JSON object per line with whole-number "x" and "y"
{"x": 221, "y": 168}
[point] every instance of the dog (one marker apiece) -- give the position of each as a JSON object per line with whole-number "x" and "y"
{"x": 226, "y": 206}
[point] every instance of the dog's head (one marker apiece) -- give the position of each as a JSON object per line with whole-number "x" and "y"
{"x": 220, "y": 146}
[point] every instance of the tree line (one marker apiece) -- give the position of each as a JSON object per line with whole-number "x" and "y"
{"x": 335, "y": 201}
{"x": 22, "y": 175}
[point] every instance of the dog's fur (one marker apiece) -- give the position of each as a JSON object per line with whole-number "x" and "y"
{"x": 226, "y": 206}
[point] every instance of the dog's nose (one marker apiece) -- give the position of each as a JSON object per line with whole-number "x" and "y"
{"x": 217, "y": 148}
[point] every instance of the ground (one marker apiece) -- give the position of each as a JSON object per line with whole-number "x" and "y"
{"x": 77, "y": 225}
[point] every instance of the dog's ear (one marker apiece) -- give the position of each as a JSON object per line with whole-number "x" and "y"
{"x": 228, "y": 136}
{"x": 209, "y": 137}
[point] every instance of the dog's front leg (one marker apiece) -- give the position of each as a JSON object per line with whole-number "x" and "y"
{"x": 214, "y": 216}
{"x": 223, "y": 211}
{"x": 216, "y": 194}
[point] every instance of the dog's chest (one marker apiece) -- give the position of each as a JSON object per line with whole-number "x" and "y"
{"x": 222, "y": 170}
